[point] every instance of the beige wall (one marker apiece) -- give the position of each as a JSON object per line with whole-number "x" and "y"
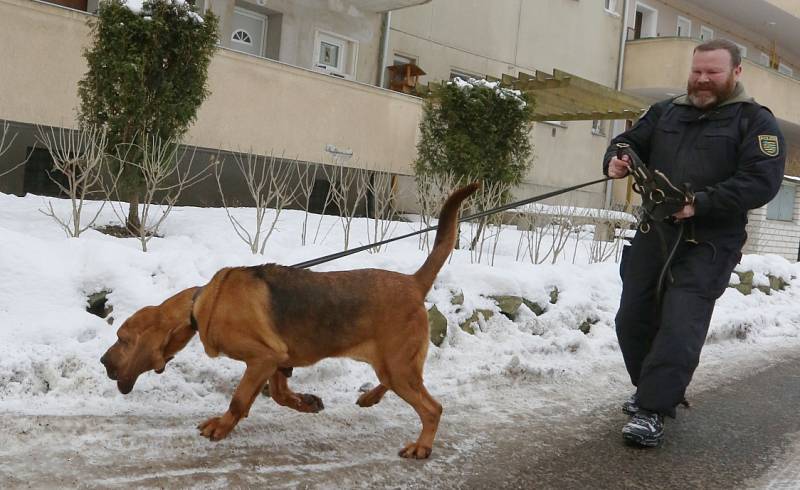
{"x": 276, "y": 107}
{"x": 790, "y": 6}
{"x": 508, "y": 36}
{"x": 255, "y": 103}
{"x": 652, "y": 64}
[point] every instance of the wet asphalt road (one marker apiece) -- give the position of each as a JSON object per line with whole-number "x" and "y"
{"x": 745, "y": 434}
{"x": 743, "y": 431}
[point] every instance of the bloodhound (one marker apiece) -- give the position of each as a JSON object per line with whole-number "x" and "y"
{"x": 274, "y": 318}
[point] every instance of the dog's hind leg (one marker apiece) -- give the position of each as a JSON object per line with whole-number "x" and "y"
{"x": 404, "y": 373}
{"x": 255, "y": 376}
{"x": 429, "y": 410}
{"x": 302, "y": 402}
{"x": 372, "y": 397}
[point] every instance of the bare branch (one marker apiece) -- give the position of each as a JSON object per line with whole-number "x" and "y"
{"x": 164, "y": 181}
{"x": 5, "y": 145}
{"x": 79, "y": 156}
{"x": 269, "y": 184}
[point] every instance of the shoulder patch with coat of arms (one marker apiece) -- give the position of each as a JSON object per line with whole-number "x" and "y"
{"x": 768, "y": 144}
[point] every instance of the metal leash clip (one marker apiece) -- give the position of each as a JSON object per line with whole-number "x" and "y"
{"x": 660, "y": 198}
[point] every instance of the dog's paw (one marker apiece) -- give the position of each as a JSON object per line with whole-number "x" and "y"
{"x": 368, "y": 399}
{"x": 415, "y": 451}
{"x": 371, "y": 397}
{"x": 309, "y": 403}
{"x": 215, "y": 428}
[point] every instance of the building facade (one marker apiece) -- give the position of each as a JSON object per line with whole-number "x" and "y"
{"x": 307, "y": 79}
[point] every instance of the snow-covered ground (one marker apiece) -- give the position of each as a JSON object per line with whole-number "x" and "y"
{"x": 50, "y": 345}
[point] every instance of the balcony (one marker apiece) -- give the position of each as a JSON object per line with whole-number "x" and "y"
{"x": 255, "y": 104}
{"x": 657, "y": 68}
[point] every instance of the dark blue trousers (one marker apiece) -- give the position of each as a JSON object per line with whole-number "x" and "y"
{"x": 661, "y": 346}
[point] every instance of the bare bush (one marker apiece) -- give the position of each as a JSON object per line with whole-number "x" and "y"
{"x": 348, "y": 192}
{"x": 532, "y": 239}
{"x": 269, "y": 183}
{"x": 546, "y": 232}
{"x": 489, "y": 227}
{"x": 164, "y": 182}
{"x": 306, "y": 176}
{"x": 79, "y": 156}
{"x": 432, "y": 191}
{"x": 380, "y": 207}
{"x": 6, "y": 140}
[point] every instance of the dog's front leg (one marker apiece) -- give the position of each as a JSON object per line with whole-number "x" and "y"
{"x": 255, "y": 376}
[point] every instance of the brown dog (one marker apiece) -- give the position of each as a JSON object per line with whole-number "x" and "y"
{"x": 273, "y": 317}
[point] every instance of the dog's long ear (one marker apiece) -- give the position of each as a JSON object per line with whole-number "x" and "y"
{"x": 175, "y": 323}
{"x": 178, "y": 339}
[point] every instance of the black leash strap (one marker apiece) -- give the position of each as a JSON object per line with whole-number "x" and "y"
{"x": 328, "y": 258}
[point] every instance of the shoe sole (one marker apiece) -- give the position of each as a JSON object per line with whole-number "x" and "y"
{"x": 641, "y": 440}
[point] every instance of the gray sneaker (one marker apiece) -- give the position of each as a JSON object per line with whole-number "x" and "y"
{"x": 644, "y": 429}
{"x": 631, "y": 405}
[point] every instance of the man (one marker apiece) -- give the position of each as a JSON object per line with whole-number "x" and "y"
{"x": 730, "y": 152}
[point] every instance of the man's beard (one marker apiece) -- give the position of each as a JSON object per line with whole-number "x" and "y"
{"x": 715, "y": 95}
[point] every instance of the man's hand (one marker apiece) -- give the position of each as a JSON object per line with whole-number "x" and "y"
{"x": 619, "y": 168}
{"x": 685, "y": 213}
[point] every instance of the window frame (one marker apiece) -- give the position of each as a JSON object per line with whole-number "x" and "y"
{"x": 685, "y": 21}
{"x": 347, "y": 56}
{"x": 781, "y": 207}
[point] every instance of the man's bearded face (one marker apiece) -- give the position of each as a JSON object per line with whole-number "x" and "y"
{"x": 713, "y": 78}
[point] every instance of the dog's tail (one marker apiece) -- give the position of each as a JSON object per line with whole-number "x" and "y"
{"x": 204, "y": 305}
{"x": 445, "y": 236}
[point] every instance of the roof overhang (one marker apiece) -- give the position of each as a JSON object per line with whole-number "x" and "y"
{"x": 566, "y": 97}
{"x": 379, "y": 6}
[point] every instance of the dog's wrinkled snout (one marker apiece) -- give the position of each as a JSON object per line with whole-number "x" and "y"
{"x": 110, "y": 370}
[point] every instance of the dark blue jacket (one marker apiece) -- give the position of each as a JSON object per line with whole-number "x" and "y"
{"x": 733, "y": 156}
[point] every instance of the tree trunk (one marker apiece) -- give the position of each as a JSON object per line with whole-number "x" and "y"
{"x": 478, "y": 233}
{"x": 133, "y": 224}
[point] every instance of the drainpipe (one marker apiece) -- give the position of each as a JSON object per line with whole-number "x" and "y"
{"x": 618, "y": 85}
{"x": 384, "y": 52}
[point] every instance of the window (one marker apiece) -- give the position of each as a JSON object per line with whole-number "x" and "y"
{"x": 786, "y": 70}
{"x": 763, "y": 58}
{"x": 464, "y": 75}
{"x": 684, "y": 28}
{"x": 706, "y": 34}
{"x": 742, "y": 49}
{"x": 248, "y": 31}
{"x": 330, "y": 55}
{"x": 646, "y": 21}
{"x": 400, "y": 59}
{"x": 335, "y": 55}
{"x": 610, "y": 6}
{"x": 782, "y": 206}
{"x": 598, "y": 127}
{"x": 241, "y": 36}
